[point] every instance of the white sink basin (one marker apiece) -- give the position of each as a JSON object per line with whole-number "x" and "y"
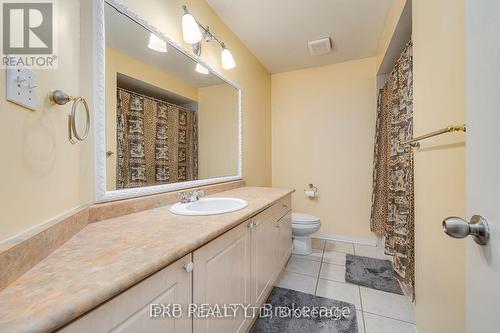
{"x": 209, "y": 206}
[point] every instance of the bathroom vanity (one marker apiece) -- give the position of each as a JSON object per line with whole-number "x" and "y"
{"x": 104, "y": 278}
{"x": 238, "y": 267}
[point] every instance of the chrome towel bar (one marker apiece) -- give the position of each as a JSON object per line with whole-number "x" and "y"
{"x": 452, "y": 128}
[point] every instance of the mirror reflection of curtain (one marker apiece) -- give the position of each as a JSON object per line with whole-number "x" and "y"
{"x": 157, "y": 142}
{"x": 393, "y": 195}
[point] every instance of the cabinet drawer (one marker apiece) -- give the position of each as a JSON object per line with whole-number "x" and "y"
{"x": 275, "y": 212}
{"x": 281, "y": 208}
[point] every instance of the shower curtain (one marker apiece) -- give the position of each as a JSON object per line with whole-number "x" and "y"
{"x": 157, "y": 142}
{"x": 392, "y": 212}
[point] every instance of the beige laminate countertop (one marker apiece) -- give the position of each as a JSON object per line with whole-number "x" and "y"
{"x": 107, "y": 257}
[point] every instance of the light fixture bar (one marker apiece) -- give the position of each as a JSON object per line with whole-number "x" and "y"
{"x": 190, "y": 30}
{"x": 207, "y": 34}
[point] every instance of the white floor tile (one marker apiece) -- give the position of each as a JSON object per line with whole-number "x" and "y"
{"x": 332, "y": 272}
{"x": 361, "y": 323}
{"x": 303, "y": 266}
{"x": 299, "y": 282}
{"x": 339, "y": 247}
{"x": 377, "y": 324}
{"x": 316, "y": 255}
{"x": 387, "y": 304}
{"x": 339, "y": 291}
{"x": 370, "y": 251}
{"x": 317, "y": 243}
{"x": 334, "y": 257}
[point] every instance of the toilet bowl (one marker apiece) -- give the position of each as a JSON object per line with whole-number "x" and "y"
{"x": 303, "y": 225}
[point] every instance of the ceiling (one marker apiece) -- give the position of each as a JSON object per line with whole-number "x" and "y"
{"x": 277, "y": 31}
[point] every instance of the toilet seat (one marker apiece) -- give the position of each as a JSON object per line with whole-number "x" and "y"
{"x": 301, "y": 218}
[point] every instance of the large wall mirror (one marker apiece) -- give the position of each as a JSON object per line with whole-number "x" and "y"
{"x": 172, "y": 121}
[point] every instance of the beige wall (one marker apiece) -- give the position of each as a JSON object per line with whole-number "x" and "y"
{"x": 439, "y": 97}
{"x": 218, "y": 131}
{"x": 323, "y": 130}
{"x": 390, "y": 25}
{"x": 45, "y": 175}
{"x": 41, "y": 169}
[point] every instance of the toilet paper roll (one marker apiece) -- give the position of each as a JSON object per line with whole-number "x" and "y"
{"x": 310, "y": 194}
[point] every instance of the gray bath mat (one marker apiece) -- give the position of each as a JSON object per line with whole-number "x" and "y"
{"x": 300, "y": 323}
{"x": 372, "y": 273}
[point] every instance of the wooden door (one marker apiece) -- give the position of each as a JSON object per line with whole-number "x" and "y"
{"x": 483, "y": 162}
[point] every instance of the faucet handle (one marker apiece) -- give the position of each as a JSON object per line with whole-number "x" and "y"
{"x": 197, "y": 195}
{"x": 184, "y": 197}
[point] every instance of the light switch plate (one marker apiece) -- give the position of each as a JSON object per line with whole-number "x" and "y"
{"x": 21, "y": 86}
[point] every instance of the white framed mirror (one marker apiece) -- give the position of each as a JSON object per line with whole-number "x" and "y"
{"x": 164, "y": 119}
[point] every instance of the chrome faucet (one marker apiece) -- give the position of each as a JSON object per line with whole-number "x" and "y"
{"x": 191, "y": 196}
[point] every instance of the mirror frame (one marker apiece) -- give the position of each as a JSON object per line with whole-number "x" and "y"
{"x": 99, "y": 106}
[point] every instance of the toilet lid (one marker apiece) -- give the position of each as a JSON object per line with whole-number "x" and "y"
{"x": 302, "y": 218}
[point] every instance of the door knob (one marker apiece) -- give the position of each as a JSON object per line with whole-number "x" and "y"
{"x": 478, "y": 228}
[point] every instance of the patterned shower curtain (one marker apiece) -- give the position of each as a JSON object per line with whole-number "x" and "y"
{"x": 157, "y": 142}
{"x": 393, "y": 196}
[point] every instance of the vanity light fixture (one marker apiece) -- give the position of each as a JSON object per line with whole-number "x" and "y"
{"x": 157, "y": 44}
{"x": 190, "y": 29}
{"x": 193, "y": 32}
{"x": 200, "y": 69}
{"x": 227, "y": 58}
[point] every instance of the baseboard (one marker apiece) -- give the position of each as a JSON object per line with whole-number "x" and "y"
{"x": 347, "y": 239}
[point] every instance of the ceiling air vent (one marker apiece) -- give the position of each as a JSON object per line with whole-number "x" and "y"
{"x": 320, "y": 46}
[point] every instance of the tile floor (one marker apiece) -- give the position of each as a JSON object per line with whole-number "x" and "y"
{"x": 322, "y": 273}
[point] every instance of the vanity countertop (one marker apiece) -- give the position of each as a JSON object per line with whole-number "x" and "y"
{"x": 107, "y": 257}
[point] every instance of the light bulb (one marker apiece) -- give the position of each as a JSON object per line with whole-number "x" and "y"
{"x": 201, "y": 69}
{"x": 190, "y": 29}
{"x": 157, "y": 44}
{"x": 227, "y": 59}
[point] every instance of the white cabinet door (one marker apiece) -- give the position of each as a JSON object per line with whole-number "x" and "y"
{"x": 222, "y": 277}
{"x": 264, "y": 257}
{"x": 129, "y": 312}
{"x": 271, "y": 247}
{"x": 284, "y": 243}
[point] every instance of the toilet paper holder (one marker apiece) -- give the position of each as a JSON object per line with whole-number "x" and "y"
{"x": 311, "y": 192}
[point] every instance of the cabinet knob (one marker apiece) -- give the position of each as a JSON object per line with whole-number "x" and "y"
{"x": 285, "y": 206}
{"x": 189, "y": 267}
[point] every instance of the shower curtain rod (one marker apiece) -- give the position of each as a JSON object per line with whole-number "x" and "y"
{"x": 449, "y": 129}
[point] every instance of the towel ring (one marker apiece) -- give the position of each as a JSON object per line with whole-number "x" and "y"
{"x": 61, "y": 98}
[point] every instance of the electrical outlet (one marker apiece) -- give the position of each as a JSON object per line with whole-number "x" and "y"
{"x": 21, "y": 86}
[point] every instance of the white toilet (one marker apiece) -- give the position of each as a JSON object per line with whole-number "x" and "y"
{"x": 303, "y": 225}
